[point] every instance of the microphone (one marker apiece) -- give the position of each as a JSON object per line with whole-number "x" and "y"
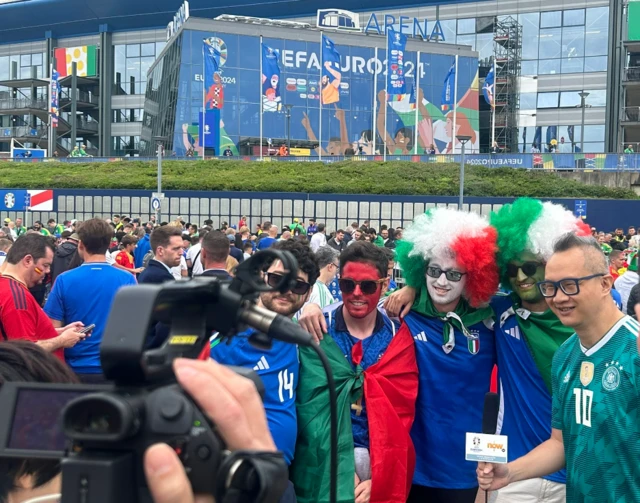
{"x": 490, "y": 419}
{"x": 490, "y": 413}
{"x": 274, "y": 325}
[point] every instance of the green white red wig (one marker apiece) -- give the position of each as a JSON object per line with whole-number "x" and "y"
{"x": 529, "y": 225}
{"x": 467, "y": 237}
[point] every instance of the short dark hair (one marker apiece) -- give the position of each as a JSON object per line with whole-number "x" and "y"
{"x": 320, "y": 227}
{"x": 307, "y": 261}
{"x": 30, "y": 244}
{"x": 161, "y": 236}
{"x": 65, "y": 234}
{"x": 25, "y": 361}
{"x": 364, "y": 251}
{"x": 594, "y": 259}
{"x": 247, "y": 246}
{"x": 216, "y": 244}
{"x": 95, "y": 235}
{"x": 339, "y": 231}
{"x": 51, "y": 220}
{"x": 129, "y": 240}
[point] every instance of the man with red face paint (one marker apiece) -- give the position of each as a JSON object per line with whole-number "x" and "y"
{"x": 377, "y": 381}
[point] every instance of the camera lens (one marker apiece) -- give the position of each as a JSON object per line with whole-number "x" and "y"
{"x": 100, "y": 417}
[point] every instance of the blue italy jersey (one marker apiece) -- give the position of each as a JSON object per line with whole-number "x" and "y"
{"x": 85, "y": 294}
{"x": 452, "y": 386}
{"x": 278, "y": 368}
{"x": 334, "y": 288}
{"x": 373, "y": 349}
{"x": 525, "y": 403}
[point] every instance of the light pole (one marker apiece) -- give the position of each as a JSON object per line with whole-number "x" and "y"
{"x": 287, "y": 111}
{"x": 463, "y": 141}
{"x": 160, "y": 152}
{"x": 583, "y": 97}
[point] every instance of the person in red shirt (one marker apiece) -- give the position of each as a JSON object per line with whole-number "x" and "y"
{"x": 125, "y": 257}
{"x": 21, "y": 317}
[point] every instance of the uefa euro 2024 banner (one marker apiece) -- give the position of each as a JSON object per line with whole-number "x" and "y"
{"x": 292, "y": 75}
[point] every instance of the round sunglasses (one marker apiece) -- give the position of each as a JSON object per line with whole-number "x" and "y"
{"x": 528, "y": 268}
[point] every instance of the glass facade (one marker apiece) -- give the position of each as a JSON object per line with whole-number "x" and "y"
{"x": 131, "y": 64}
{"x": 177, "y": 88}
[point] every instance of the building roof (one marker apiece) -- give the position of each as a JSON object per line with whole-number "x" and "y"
{"x": 29, "y": 20}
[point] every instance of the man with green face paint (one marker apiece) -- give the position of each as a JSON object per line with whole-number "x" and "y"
{"x": 527, "y": 336}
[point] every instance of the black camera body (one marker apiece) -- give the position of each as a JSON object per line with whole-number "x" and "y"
{"x": 109, "y": 428}
{"x": 116, "y": 428}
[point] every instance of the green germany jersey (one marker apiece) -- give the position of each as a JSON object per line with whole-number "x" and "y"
{"x": 596, "y": 404}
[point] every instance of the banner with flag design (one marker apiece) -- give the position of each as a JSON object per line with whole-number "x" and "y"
{"x": 448, "y": 91}
{"x": 396, "y": 44}
{"x": 487, "y": 88}
{"x": 84, "y": 57}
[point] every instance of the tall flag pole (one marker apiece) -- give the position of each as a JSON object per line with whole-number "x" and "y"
{"x": 416, "y": 90}
{"x": 455, "y": 106}
{"x": 321, "y": 72}
{"x": 493, "y": 104}
{"x": 375, "y": 100}
{"x": 261, "y": 99}
{"x": 203, "y": 123}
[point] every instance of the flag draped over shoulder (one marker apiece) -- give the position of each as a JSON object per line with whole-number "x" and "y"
{"x": 390, "y": 387}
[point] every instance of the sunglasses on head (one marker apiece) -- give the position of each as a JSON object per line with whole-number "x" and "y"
{"x": 300, "y": 287}
{"x": 451, "y": 275}
{"x": 528, "y": 268}
{"x": 367, "y": 286}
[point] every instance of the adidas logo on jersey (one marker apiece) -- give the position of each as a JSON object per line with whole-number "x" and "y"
{"x": 567, "y": 377}
{"x": 262, "y": 364}
{"x": 421, "y": 337}
{"x": 514, "y": 332}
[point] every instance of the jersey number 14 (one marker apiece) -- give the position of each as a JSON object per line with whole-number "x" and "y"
{"x": 285, "y": 381}
{"x": 584, "y": 402}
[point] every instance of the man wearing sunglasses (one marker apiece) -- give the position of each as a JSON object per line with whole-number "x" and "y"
{"x": 595, "y": 379}
{"x": 528, "y": 334}
{"x": 377, "y": 381}
{"x": 278, "y": 367}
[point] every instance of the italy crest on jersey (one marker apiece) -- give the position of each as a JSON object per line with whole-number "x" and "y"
{"x": 473, "y": 342}
{"x": 586, "y": 373}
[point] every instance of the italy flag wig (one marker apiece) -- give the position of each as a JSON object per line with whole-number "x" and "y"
{"x": 529, "y": 225}
{"x": 467, "y": 237}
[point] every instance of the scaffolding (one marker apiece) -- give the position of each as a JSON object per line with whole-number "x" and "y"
{"x": 507, "y": 46}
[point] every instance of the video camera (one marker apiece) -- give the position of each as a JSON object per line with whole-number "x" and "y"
{"x": 105, "y": 430}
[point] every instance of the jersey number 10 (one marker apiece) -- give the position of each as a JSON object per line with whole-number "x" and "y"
{"x": 584, "y": 401}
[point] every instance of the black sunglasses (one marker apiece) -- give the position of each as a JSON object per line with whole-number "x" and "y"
{"x": 569, "y": 286}
{"x": 436, "y": 272}
{"x": 367, "y": 286}
{"x": 300, "y": 287}
{"x": 528, "y": 268}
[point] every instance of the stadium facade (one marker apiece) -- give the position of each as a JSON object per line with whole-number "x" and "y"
{"x": 553, "y": 52}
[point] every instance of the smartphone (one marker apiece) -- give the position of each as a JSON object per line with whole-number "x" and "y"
{"x": 86, "y": 330}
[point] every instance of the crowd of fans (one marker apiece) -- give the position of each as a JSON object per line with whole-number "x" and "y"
{"x": 58, "y": 282}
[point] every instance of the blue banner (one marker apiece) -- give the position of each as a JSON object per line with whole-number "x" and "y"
{"x": 487, "y": 88}
{"x": 552, "y": 134}
{"x": 209, "y": 126}
{"x": 448, "y": 91}
{"x": 331, "y": 73}
{"x": 537, "y": 138}
{"x": 396, "y": 43}
{"x": 271, "y": 99}
{"x": 13, "y": 200}
{"x": 54, "y": 95}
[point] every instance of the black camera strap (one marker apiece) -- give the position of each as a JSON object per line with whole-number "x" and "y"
{"x": 252, "y": 477}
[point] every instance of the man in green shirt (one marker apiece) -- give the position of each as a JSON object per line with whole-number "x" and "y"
{"x": 595, "y": 382}
{"x": 37, "y": 225}
{"x": 20, "y": 229}
{"x": 628, "y": 150}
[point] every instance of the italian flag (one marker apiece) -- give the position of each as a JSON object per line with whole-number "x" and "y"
{"x": 84, "y": 57}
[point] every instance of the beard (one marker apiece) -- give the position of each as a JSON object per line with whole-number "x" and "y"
{"x": 286, "y": 304}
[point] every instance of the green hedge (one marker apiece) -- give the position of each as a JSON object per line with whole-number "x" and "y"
{"x": 347, "y": 177}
